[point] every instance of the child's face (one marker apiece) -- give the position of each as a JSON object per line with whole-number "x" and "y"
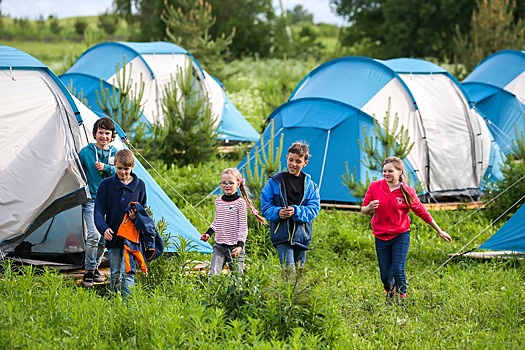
{"x": 295, "y": 163}
{"x": 123, "y": 172}
{"x": 103, "y": 137}
{"x": 391, "y": 174}
{"x": 229, "y": 184}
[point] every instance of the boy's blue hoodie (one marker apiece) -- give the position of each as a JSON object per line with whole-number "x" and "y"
{"x": 273, "y": 198}
{"x": 88, "y": 156}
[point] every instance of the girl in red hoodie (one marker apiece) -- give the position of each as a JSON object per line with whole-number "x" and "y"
{"x": 390, "y": 200}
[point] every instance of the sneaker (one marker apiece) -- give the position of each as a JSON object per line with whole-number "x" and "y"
{"x": 403, "y": 295}
{"x": 97, "y": 277}
{"x": 88, "y": 279}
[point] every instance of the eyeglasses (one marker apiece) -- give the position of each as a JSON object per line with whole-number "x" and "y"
{"x": 227, "y": 183}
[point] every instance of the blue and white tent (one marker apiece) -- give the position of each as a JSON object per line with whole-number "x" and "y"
{"x": 497, "y": 87}
{"x": 156, "y": 63}
{"x": 335, "y": 102}
{"x": 42, "y": 185}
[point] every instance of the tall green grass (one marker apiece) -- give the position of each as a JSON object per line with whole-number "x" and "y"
{"x": 337, "y": 301}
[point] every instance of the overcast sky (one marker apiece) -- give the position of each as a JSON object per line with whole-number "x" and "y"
{"x": 32, "y": 9}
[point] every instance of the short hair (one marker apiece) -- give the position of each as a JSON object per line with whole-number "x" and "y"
{"x": 125, "y": 156}
{"x": 301, "y": 149}
{"x": 105, "y": 123}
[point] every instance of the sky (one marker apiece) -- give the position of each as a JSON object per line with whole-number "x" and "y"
{"x": 32, "y": 9}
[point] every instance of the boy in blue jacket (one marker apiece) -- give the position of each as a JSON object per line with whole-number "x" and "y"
{"x": 290, "y": 201}
{"x": 97, "y": 160}
{"x": 113, "y": 197}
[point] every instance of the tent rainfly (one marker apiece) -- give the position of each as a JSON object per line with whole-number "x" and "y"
{"x": 156, "y": 63}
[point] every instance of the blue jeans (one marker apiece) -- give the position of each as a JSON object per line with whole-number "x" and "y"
{"x": 94, "y": 241}
{"x": 119, "y": 280}
{"x": 392, "y": 256}
{"x": 291, "y": 255}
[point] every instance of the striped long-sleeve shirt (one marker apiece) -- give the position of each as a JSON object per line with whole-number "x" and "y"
{"x": 231, "y": 221}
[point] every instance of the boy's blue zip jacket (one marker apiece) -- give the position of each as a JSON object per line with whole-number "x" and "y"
{"x": 273, "y": 199}
{"x": 91, "y": 154}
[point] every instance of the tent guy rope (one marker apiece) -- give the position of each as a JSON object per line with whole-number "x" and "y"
{"x": 457, "y": 253}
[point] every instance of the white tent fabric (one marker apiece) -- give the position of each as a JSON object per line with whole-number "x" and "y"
{"x": 39, "y": 165}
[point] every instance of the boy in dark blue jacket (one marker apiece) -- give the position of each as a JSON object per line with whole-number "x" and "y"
{"x": 113, "y": 197}
{"x": 290, "y": 201}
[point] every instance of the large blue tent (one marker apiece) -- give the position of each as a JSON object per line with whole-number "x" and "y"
{"x": 156, "y": 64}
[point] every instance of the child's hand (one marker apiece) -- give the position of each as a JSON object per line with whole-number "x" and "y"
{"x": 205, "y": 237}
{"x": 99, "y": 166}
{"x": 236, "y": 252}
{"x": 286, "y": 212}
{"x": 108, "y": 234}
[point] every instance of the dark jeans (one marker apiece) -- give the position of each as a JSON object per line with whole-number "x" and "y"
{"x": 392, "y": 256}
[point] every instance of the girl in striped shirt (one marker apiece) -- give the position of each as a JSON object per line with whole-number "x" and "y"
{"x": 231, "y": 223}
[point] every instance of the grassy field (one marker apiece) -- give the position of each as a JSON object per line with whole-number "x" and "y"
{"x": 337, "y": 302}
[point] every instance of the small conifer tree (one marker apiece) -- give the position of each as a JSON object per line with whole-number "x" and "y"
{"x": 266, "y": 162}
{"x": 123, "y": 103}
{"x": 187, "y": 133}
{"x": 389, "y": 140}
{"x": 188, "y": 25}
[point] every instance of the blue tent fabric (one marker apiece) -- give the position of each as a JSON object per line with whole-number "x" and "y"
{"x": 233, "y": 126}
{"x": 163, "y": 207}
{"x": 498, "y": 69}
{"x": 510, "y": 236}
{"x": 332, "y": 139}
{"x": 100, "y": 61}
{"x": 489, "y": 84}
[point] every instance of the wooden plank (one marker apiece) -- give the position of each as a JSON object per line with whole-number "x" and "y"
{"x": 428, "y": 206}
{"x": 487, "y": 255}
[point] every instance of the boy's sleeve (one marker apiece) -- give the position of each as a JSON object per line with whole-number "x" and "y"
{"x": 109, "y": 170}
{"x": 268, "y": 208}
{"x": 100, "y": 209}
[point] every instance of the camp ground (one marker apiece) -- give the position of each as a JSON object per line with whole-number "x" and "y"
{"x": 156, "y": 64}
{"x": 497, "y": 87}
{"x": 42, "y": 185}
{"x": 336, "y": 104}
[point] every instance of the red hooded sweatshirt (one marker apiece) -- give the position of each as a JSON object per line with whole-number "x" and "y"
{"x": 391, "y": 217}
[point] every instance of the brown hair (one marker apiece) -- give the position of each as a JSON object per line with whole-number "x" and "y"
{"x": 107, "y": 124}
{"x": 398, "y": 164}
{"x": 125, "y": 157}
{"x": 245, "y": 193}
{"x": 300, "y": 148}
